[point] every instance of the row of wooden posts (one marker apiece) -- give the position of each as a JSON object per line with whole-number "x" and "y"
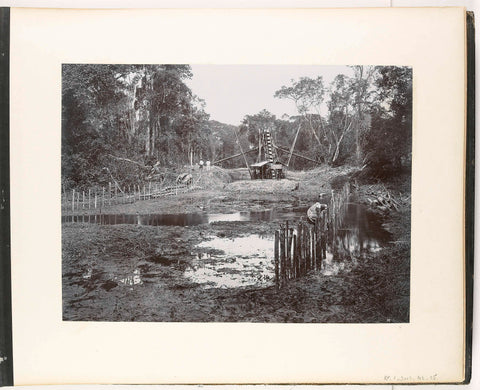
{"x": 299, "y": 249}
{"x": 99, "y": 198}
{"x": 303, "y": 248}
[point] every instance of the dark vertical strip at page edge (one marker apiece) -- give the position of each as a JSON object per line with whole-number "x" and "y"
{"x": 6, "y": 356}
{"x": 469, "y": 193}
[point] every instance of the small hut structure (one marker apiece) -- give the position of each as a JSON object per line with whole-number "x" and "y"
{"x": 267, "y": 170}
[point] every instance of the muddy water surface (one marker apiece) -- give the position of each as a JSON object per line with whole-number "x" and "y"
{"x": 248, "y": 261}
{"x": 233, "y": 262}
{"x": 189, "y": 219}
{"x": 242, "y": 262}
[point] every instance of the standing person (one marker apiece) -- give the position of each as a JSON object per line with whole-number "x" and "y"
{"x": 200, "y": 164}
{"x": 208, "y": 165}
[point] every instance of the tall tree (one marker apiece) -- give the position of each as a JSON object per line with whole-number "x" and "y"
{"x": 223, "y": 142}
{"x": 193, "y": 129}
{"x": 116, "y": 114}
{"x": 161, "y": 96}
{"x": 92, "y": 97}
{"x": 307, "y": 94}
{"x": 389, "y": 144}
{"x": 340, "y": 118}
{"x": 361, "y": 86}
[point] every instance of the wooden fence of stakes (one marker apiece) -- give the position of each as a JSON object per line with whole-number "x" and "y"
{"x": 301, "y": 249}
{"x": 78, "y": 201}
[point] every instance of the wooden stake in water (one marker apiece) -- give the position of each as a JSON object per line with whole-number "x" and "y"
{"x": 307, "y": 248}
{"x": 95, "y": 200}
{"x": 304, "y": 251}
{"x": 295, "y": 256}
{"x": 73, "y": 200}
{"x": 299, "y": 249}
{"x": 83, "y": 200}
{"x": 313, "y": 237}
{"x": 324, "y": 235}
{"x": 318, "y": 233}
{"x": 286, "y": 252}
{"x": 314, "y": 248}
{"x": 89, "y": 199}
{"x": 321, "y": 238}
{"x": 110, "y": 193}
{"x": 291, "y": 270}
{"x": 277, "y": 281}
{"x": 282, "y": 255}
{"x": 103, "y": 196}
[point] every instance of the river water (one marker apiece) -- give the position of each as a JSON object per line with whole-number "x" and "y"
{"x": 190, "y": 219}
{"x": 248, "y": 261}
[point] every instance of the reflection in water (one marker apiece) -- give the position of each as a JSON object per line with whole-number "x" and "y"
{"x": 191, "y": 219}
{"x": 357, "y": 220}
{"x": 234, "y": 217}
{"x": 237, "y": 262}
{"x": 352, "y": 241}
{"x": 243, "y": 262}
{"x": 361, "y": 232}
{"x": 248, "y": 261}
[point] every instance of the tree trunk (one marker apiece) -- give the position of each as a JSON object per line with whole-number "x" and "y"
{"x": 148, "y": 136}
{"x": 358, "y": 146}
{"x": 312, "y": 128}
{"x": 259, "y": 146}
{"x": 338, "y": 143}
{"x": 151, "y": 133}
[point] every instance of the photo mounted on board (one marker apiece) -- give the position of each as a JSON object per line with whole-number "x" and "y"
{"x": 236, "y": 193}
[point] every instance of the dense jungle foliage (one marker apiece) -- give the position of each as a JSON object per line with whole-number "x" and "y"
{"x": 122, "y": 120}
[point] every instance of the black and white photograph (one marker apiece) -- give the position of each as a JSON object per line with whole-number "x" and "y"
{"x": 236, "y": 193}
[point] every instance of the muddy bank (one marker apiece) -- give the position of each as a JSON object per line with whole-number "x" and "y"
{"x": 219, "y": 194}
{"x": 214, "y": 201}
{"x": 147, "y": 273}
{"x": 137, "y": 273}
{"x": 259, "y": 186}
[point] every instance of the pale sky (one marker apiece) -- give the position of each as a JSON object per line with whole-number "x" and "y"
{"x": 233, "y": 91}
